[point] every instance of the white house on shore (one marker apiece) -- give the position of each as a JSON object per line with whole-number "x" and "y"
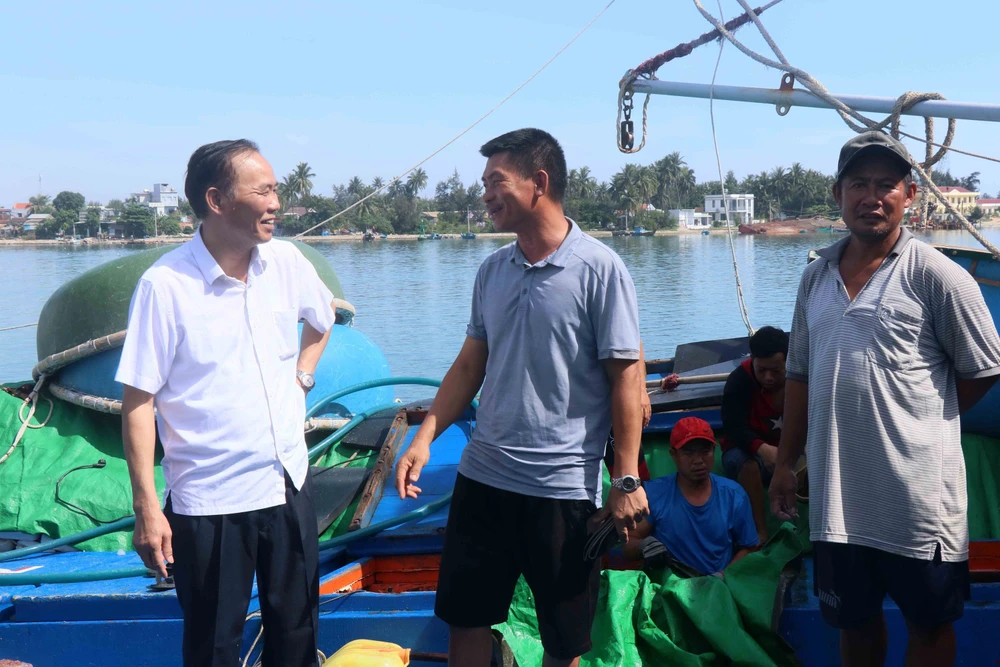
{"x": 739, "y": 206}
{"x": 988, "y": 205}
{"x": 162, "y": 199}
{"x": 689, "y": 218}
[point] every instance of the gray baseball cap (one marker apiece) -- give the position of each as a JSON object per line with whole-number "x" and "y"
{"x": 870, "y": 143}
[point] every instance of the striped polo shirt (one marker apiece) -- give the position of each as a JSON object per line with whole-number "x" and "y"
{"x": 884, "y": 446}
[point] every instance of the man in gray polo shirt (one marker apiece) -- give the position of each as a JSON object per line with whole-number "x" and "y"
{"x": 554, "y": 342}
{"x": 890, "y": 342}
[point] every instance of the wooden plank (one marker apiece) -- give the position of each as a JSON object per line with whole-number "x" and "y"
{"x": 987, "y": 281}
{"x": 353, "y": 577}
{"x": 381, "y": 473}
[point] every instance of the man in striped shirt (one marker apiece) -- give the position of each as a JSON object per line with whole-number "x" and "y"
{"x": 890, "y": 342}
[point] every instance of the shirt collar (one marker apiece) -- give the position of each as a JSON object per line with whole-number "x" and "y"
{"x": 561, "y": 255}
{"x": 834, "y": 252}
{"x": 210, "y": 268}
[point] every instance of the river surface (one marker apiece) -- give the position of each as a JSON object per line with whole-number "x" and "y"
{"x": 413, "y": 298}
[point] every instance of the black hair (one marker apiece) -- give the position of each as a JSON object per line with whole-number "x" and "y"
{"x": 211, "y": 166}
{"x": 767, "y": 342}
{"x": 530, "y": 151}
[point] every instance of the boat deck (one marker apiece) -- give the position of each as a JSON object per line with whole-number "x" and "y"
{"x": 77, "y": 623}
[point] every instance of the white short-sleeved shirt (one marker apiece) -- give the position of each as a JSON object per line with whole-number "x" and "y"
{"x": 884, "y": 445}
{"x": 220, "y": 357}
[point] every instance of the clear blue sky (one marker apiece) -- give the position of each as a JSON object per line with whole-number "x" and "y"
{"x": 106, "y": 98}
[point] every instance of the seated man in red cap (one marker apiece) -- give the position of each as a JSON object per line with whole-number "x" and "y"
{"x": 696, "y": 518}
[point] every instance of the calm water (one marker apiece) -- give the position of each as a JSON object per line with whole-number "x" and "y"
{"x": 413, "y": 297}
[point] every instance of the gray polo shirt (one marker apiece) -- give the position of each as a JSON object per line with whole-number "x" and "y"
{"x": 545, "y": 409}
{"x": 884, "y": 447}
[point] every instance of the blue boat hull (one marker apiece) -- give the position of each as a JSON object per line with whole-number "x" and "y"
{"x": 119, "y": 623}
{"x": 982, "y": 419}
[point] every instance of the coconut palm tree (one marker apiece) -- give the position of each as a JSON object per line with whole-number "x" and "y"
{"x": 416, "y": 182}
{"x": 301, "y": 178}
{"x": 633, "y": 186}
{"x": 357, "y": 187}
{"x": 287, "y": 196}
{"x": 586, "y": 184}
{"x": 668, "y": 172}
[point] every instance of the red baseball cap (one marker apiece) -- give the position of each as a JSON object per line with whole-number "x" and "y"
{"x": 688, "y": 429}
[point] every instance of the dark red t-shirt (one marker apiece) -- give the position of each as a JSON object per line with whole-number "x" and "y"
{"x": 749, "y": 419}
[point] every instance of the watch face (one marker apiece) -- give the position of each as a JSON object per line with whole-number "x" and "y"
{"x": 629, "y": 484}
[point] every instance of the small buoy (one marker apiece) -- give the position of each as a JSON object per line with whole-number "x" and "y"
{"x": 369, "y": 653}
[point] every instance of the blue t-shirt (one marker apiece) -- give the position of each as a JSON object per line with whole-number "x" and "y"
{"x": 705, "y": 537}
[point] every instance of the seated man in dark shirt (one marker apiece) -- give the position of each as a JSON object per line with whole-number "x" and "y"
{"x": 752, "y": 407}
{"x": 702, "y": 520}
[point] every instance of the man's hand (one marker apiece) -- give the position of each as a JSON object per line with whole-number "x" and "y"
{"x": 784, "y": 484}
{"x": 647, "y": 409}
{"x": 670, "y": 382}
{"x": 409, "y": 466}
{"x": 628, "y": 509}
{"x": 770, "y": 455}
{"x": 152, "y": 540}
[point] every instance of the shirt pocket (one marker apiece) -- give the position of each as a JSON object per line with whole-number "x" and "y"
{"x": 286, "y": 324}
{"x": 895, "y": 343}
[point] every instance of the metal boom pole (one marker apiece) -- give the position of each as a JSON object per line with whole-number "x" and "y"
{"x": 803, "y": 98}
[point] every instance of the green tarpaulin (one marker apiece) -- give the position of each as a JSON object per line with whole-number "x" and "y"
{"x": 668, "y": 620}
{"x": 76, "y": 436}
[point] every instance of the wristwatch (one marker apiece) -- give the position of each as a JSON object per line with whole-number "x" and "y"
{"x": 305, "y": 379}
{"x": 628, "y": 483}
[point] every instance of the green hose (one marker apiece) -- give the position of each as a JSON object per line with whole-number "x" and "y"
{"x": 372, "y": 384}
{"x": 122, "y": 524}
{"x": 32, "y": 579}
{"x": 36, "y": 578}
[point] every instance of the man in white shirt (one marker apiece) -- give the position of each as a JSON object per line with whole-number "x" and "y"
{"x": 213, "y": 344}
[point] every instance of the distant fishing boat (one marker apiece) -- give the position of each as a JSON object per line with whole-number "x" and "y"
{"x": 468, "y": 234}
{"x": 642, "y": 231}
{"x": 705, "y": 232}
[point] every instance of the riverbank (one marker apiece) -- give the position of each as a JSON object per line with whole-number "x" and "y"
{"x": 333, "y": 238}
{"x": 792, "y": 226}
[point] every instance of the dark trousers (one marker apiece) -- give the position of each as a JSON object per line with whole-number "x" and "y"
{"x": 215, "y": 559}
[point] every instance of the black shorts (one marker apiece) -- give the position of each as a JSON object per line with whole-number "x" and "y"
{"x": 851, "y": 582}
{"x": 493, "y": 537}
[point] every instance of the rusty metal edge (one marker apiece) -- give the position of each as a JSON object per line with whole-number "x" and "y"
{"x": 382, "y": 471}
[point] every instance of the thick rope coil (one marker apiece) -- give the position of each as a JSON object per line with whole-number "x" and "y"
{"x": 867, "y": 124}
{"x": 647, "y": 70}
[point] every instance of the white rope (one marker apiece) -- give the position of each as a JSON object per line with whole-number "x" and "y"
{"x": 744, "y": 312}
{"x": 20, "y": 326}
{"x": 466, "y": 130}
{"x": 31, "y": 400}
{"x": 846, "y": 113}
{"x": 625, "y": 92}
